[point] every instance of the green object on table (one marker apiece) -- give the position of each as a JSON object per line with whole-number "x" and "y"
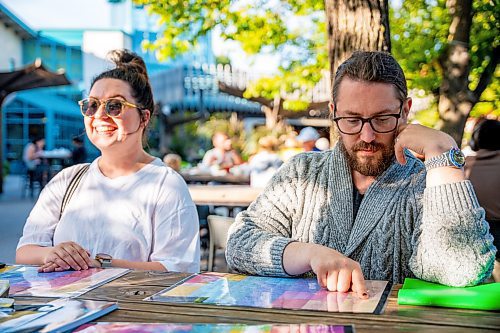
{"x": 481, "y": 297}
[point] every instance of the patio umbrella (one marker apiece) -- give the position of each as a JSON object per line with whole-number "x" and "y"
{"x": 29, "y": 77}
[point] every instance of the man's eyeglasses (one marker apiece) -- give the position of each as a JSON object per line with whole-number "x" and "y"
{"x": 113, "y": 106}
{"x": 383, "y": 123}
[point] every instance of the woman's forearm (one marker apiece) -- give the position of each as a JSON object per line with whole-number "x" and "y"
{"x": 32, "y": 254}
{"x": 138, "y": 265}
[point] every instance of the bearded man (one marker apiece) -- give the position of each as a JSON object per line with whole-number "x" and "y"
{"x": 368, "y": 209}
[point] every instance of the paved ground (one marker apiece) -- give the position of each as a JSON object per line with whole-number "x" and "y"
{"x": 14, "y": 209}
{"x": 13, "y": 213}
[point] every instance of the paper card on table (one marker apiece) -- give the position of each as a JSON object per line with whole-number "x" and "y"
{"x": 481, "y": 297}
{"x": 207, "y": 328}
{"x": 269, "y": 292}
{"x": 26, "y": 281}
{"x": 60, "y": 315}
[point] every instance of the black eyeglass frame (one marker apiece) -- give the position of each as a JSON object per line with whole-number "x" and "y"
{"x": 367, "y": 120}
{"x": 105, "y": 102}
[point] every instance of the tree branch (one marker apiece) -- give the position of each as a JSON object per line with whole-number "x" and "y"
{"x": 239, "y": 93}
{"x": 487, "y": 74}
{"x": 320, "y": 106}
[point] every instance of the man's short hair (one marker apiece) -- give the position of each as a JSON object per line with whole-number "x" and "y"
{"x": 372, "y": 66}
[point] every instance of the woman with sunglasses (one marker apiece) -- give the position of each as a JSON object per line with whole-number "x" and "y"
{"x": 129, "y": 209}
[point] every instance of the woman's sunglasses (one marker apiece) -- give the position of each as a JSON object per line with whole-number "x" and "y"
{"x": 113, "y": 106}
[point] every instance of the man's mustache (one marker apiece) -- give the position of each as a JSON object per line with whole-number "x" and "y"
{"x": 371, "y": 146}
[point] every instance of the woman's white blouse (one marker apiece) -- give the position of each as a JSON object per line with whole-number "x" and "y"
{"x": 145, "y": 216}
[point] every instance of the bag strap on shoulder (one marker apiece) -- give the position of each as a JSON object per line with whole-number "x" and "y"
{"x": 72, "y": 186}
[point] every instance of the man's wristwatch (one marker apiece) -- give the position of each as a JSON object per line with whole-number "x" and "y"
{"x": 452, "y": 158}
{"x": 104, "y": 259}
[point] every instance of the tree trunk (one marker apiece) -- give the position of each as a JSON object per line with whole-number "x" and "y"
{"x": 356, "y": 25}
{"x": 273, "y": 113}
{"x": 456, "y": 100}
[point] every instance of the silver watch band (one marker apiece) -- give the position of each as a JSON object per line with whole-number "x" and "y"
{"x": 437, "y": 161}
{"x": 450, "y": 158}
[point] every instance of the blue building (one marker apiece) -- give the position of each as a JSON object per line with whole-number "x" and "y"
{"x": 46, "y": 112}
{"x": 187, "y": 83}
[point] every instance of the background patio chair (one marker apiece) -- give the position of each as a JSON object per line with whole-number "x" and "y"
{"x": 218, "y": 227}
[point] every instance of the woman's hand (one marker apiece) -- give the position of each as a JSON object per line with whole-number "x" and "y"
{"x": 53, "y": 267}
{"x": 65, "y": 256}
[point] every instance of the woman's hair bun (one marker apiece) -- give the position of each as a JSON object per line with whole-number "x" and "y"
{"x": 129, "y": 60}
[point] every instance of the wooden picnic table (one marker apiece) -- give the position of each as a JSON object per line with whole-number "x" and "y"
{"x": 203, "y": 178}
{"x": 224, "y": 195}
{"x": 130, "y": 290}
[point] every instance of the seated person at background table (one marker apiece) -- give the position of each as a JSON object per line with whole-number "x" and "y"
{"x": 173, "y": 160}
{"x": 78, "y": 154}
{"x": 128, "y": 204}
{"x": 368, "y": 208}
{"x": 483, "y": 170}
{"x": 307, "y": 138}
{"x": 36, "y": 166}
{"x": 265, "y": 163}
{"x": 222, "y": 155}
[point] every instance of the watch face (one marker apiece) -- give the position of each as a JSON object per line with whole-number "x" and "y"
{"x": 457, "y": 157}
{"x": 103, "y": 256}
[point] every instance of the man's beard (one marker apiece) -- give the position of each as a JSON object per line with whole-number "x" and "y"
{"x": 371, "y": 166}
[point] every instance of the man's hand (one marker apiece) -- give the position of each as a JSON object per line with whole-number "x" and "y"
{"x": 65, "y": 256}
{"x": 335, "y": 271}
{"x": 424, "y": 141}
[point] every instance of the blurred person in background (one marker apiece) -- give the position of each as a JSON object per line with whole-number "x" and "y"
{"x": 483, "y": 170}
{"x": 290, "y": 147}
{"x": 78, "y": 154}
{"x": 128, "y": 209}
{"x": 322, "y": 144}
{"x": 265, "y": 163}
{"x": 223, "y": 155}
{"x": 307, "y": 137}
{"x": 173, "y": 160}
{"x": 36, "y": 167}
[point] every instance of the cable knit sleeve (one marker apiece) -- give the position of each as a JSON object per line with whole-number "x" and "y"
{"x": 260, "y": 234}
{"x": 453, "y": 245}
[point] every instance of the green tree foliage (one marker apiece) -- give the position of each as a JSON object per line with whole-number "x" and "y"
{"x": 419, "y": 36}
{"x": 295, "y": 29}
{"x": 419, "y": 29}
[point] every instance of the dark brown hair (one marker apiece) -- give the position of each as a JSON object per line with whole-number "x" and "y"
{"x": 372, "y": 67}
{"x": 486, "y": 135}
{"x": 130, "y": 68}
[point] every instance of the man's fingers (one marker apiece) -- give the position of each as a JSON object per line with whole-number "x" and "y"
{"x": 358, "y": 283}
{"x": 331, "y": 280}
{"x": 321, "y": 276}
{"x": 344, "y": 280}
{"x": 399, "y": 152}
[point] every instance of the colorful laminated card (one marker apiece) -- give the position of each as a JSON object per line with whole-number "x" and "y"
{"x": 26, "y": 281}
{"x": 481, "y": 297}
{"x": 61, "y": 315}
{"x": 207, "y": 328}
{"x": 269, "y": 292}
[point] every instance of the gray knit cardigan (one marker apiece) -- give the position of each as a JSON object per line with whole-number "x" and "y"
{"x": 402, "y": 228}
